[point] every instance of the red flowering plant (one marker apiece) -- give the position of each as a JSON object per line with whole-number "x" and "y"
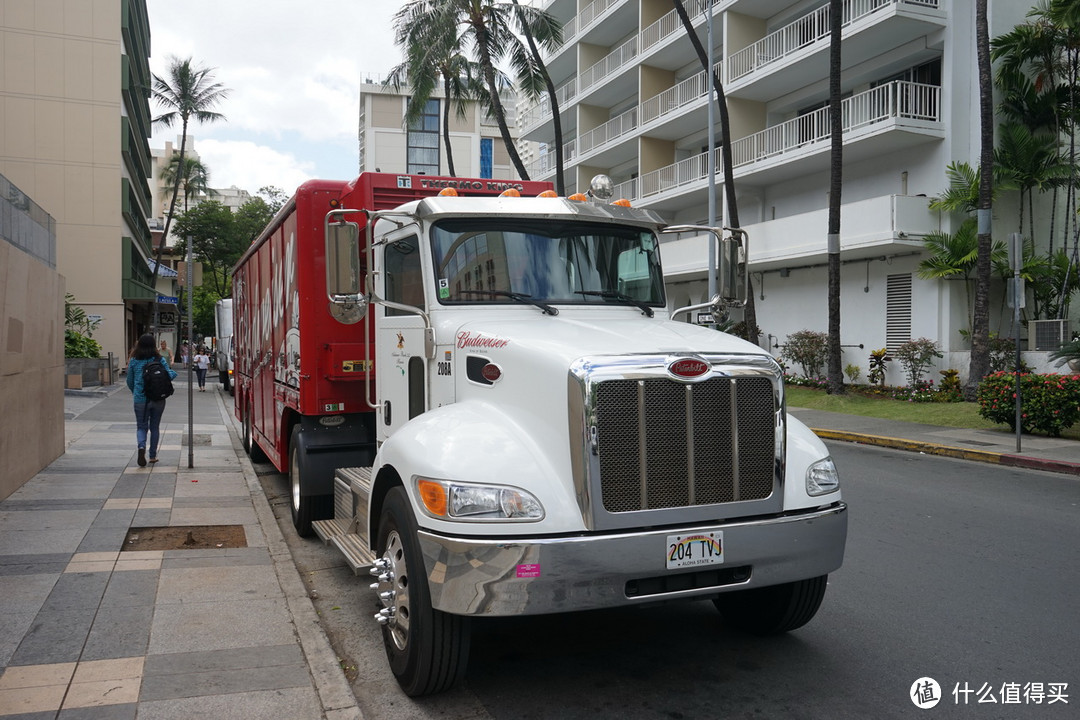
{"x": 1048, "y": 403}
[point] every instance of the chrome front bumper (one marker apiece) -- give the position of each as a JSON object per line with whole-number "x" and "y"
{"x": 530, "y": 576}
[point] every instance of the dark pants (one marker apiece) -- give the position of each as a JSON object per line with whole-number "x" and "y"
{"x": 200, "y": 373}
{"x": 148, "y": 419}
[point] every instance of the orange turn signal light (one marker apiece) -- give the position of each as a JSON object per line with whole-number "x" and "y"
{"x": 579, "y": 197}
{"x": 510, "y": 192}
{"x": 622, "y": 202}
{"x": 433, "y": 496}
{"x": 548, "y": 194}
{"x": 448, "y": 192}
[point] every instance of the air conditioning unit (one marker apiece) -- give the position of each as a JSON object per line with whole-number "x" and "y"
{"x": 1047, "y": 334}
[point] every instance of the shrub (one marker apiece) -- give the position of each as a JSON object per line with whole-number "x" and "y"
{"x": 878, "y": 360}
{"x": 852, "y": 371}
{"x": 1003, "y": 355}
{"x": 739, "y": 330}
{"x": 950, "y": 385}
{"x": 917, "y": 356}
{"x": 1049, "y": 403}
{"x": 808, "y": 349}
{"x": 79, "y": 331}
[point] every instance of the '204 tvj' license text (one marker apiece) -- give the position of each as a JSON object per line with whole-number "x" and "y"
{"x": 695, "y": 549}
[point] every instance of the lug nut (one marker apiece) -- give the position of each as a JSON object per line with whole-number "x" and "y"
{"x": 387, "y": 596}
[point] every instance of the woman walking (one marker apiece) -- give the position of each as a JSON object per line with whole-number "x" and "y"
{"x": 202, "y": 364}
{"x": 147, "y": 412}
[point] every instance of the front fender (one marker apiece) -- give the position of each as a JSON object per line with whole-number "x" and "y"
{"x": 477, "y": 442}
{"x": 804, "y": 448}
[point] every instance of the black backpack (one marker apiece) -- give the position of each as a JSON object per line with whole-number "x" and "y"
{"x": 157, "y": 385}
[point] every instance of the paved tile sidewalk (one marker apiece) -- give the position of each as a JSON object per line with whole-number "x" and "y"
{"x": 89, "y": 630}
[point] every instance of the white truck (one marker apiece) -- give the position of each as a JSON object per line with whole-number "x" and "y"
{"x": 546, "y": 436}
{"x": 223, "y": 330}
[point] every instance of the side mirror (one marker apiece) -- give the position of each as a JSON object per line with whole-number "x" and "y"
{"x": 731, "y": 268}
{"x": 347, "y": 304}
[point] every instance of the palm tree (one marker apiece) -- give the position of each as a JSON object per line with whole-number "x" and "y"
{"x": 193, "y": 176}
{"x": 732, "y": 219}
{"x": 187, "y": 93}
{"x": 485, "y": 26}
{"x": 431, "y": 57}
{"x": 980, "y": 325}
{"x": 543, "y": 27}
{"x": 836, "y": 172}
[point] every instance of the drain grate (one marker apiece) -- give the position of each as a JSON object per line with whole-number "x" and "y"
{"x": 185, "y": 537}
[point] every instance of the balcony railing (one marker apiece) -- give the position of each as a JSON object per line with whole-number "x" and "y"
{"x": 670, "y": 23}
{"x": 684, "y": 172}
{"x": 545, "y": 164}
{"x": 612, "y": 62}
{"x": 898, "y": 99}
{"x": 614, "y": 128}
{"x": 804, "y": 31}
{"x": 686, "y": 92}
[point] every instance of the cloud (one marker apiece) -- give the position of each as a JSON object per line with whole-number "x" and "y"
{"x": 293, "y": 72}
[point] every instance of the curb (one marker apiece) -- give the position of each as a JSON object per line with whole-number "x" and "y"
{"x": 1019, "y": 461}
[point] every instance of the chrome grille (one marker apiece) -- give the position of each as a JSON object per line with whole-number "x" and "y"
{"x": 665, "y": 444}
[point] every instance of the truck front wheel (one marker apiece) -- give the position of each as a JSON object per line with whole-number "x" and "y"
{"x": 773, "y": 610}
{"x": 428, "y": 650}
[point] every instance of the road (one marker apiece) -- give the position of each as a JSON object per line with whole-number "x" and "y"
{"x": 963, "y": 572}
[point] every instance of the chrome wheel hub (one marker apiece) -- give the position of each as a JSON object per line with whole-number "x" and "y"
{"x": 392, "y": 587}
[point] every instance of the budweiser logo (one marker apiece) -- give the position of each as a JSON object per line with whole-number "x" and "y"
{"x": 466, "y": 339}
{"x": 689, "y": 368}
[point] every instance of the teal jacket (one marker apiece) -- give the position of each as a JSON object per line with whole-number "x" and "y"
{"x": 135, "y": 376}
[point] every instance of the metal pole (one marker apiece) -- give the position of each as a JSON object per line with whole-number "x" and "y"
{"x": 190, "y": 354}
{"x": 712, "y": 154}
{"x": 1017, "y": 246}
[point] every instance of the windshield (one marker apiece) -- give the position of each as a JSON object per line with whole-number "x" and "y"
{"x": 481, "y": 260}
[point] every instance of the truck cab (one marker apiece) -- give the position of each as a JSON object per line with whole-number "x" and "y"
{"x": 550, "y": 438}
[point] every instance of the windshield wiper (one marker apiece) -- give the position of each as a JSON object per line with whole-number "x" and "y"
{"x": 520, "y": 297}
{"x": 616, "y": 295}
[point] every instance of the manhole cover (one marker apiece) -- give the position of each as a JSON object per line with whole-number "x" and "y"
{"x": 197, "y": 439}
{"x": 185, "y": 537}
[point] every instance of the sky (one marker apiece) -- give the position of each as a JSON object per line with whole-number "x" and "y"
{"x": 293, "y": 71}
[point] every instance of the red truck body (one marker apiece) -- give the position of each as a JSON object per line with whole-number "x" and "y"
{"x": 295, "y": 365}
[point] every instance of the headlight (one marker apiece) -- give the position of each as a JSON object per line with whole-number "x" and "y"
{"x": 460, "y": 501}
{"x": 821, "y": 478}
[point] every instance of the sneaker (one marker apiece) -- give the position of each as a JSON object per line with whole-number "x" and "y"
{"x": 153, "y": 460}
{"x": 142, "y": 457}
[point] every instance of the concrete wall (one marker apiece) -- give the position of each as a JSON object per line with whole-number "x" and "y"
{"x": 31, "y": 366}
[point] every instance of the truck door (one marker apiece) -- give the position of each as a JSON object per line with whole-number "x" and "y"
{"x": 400, "y": 360}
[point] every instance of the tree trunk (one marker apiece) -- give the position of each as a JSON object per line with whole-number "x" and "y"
{"x": 732, "y": 218}
{"x": 553, "y": 100}
{"x": 496, "y": 103}
{"x": 836, "y": 171}
{"x": 168, "y": 222}
{"x": 980, "y": 331}
{"x": 446, "y": 126}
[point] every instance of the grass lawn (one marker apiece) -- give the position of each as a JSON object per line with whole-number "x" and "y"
{"x": 962, "y": 414}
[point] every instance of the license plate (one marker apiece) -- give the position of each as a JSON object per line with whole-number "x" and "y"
{"x": 695, "y": 549}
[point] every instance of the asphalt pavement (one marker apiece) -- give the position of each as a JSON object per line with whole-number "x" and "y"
{"x": 96, "y": 625}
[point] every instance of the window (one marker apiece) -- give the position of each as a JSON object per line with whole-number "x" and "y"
{"x": 404, "y": 280}
{"x": 422, "y": 154}
{"x": 487, "y": 150}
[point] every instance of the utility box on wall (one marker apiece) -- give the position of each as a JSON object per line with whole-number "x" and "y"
{"x": 1047, "y": 334}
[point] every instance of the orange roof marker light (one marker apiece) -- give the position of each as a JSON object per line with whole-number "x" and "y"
{"x": 622, "y": 202}
{"x": 510, "y": 192}
{"x": 579, "y": 197}
{"x": 448, "y": 192}
{"x": 548, "y": 194}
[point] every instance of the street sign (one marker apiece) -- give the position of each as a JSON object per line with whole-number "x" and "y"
{"x": 167, "y": 300}
{"x": 704, "y": 318}
{"x": 167, "y": 317}
{"x": 94, "y": 318}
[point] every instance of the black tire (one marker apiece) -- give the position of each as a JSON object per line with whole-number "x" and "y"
{"x": 773, "y": 610}
{"x": 250, "y": 446}
{"x": 428, "y": 650}
{"x": 305, "y": 508}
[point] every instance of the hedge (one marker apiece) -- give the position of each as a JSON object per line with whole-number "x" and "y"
{"x": 1048, "y": 403}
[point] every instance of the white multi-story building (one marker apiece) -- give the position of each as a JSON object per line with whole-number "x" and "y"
{"x": 633, "y": 101}
{"x": 387, "y": 145}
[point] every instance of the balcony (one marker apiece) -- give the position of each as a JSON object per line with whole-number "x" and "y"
{"x": 608, "y": 93}
{"x": 880, "y": 120}
{"x": 670, "y": 178}
{"x": 544, "y": 165}
{"x": 801, "y": 49}
{"x": 870, "y": 228}
{"x": 885, "y": 225}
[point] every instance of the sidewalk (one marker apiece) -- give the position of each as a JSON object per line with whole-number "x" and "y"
{"x": 90, "y": 629}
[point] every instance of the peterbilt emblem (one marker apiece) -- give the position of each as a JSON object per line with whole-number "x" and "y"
{"x": 689, "y": 368}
